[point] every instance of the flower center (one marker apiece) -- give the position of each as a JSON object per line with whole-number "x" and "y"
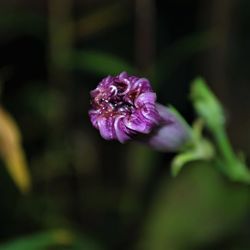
{"x": 117, "y": 99}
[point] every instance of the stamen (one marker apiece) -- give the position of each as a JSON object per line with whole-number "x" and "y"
{"x": 113, "y": 89}
{"x": 123, "y": 87}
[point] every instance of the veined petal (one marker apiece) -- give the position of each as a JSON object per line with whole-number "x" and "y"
{"x": 123, "y": 75}
{"x": 148, "y": 97}
{"x": 93, "y": 115}
{"x": 150, "y": 112}
{"x": 106, "y": 81}
{"x": 136, "y": 123}
{"x": 106, "y": 127}
{"x": 121, "y": 130}
{"x": 143, "y": 84}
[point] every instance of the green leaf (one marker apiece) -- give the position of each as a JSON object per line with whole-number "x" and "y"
{"x": 210, "y": 110}
{"x": 40, "y": 241}
{"x": 53, "y": 238}
{"x": 193, "y": 210}
{"x": 198, "y": 148}
{"x": 206, "y": 104}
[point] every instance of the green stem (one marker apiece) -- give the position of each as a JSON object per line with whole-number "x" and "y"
{"x": 230, "y": 164}
{"x": 223, "y": 144}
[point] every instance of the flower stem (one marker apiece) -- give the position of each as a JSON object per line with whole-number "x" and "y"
{"x": 229, "y": 163}
{"x": 209, "y": 108}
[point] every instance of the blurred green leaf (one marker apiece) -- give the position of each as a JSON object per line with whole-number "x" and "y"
{"x": 40, "y": 241}
{"x": 100, "y": 63}
{"x": 206, "y": 104}
{"x": 45, "y": 240}
{"x": 196, "y": 208}
{"x": 198, "y": 148}
{"x": 209, "y": 108}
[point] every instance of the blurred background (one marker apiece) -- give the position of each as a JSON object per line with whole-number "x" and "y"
{"x": 62, "y": 186}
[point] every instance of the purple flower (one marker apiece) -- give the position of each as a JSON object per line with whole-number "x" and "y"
{"x": 124, "y": 107}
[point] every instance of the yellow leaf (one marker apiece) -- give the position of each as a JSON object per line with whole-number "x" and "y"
{"x": 12, "y": 152}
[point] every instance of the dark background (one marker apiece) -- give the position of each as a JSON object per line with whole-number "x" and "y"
{"x": 88, "y": 193}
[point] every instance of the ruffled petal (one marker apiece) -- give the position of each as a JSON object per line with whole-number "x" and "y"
{"x": 106, "y": 127}
{"x": 107, "y": 81}
{"x": 137, "y": 123}
{"x": 123, "y": 76}
{"x": 150, "y": 112}
{"x": 121, "y": 130}
{"x": 143, "y": 84}
{"x": 148, "y": 97}
{"x": 93, "y": 115}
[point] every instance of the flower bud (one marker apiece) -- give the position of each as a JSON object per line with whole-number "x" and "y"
{"x": 124, "y": 108}
{"x": 206, "y": 104}
{"x": 172, "y": 134}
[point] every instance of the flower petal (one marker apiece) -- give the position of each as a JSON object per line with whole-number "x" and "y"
{"x": 106, "y": 127}
{"x": 137, "y": 123}
{"x": 165, "y": 114}
{"x": 123, "y": 75}
{"x": 148, "y": 97}
{"x": 150, "y": 112}
{"x": 121, "y": 130}
{"x": 172, "y": 133}
{"x": 143, "y": 84}
{"x": 106, "y": 81}
{"x": 169, "y": 137}
{"x": 93, "y": 115}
